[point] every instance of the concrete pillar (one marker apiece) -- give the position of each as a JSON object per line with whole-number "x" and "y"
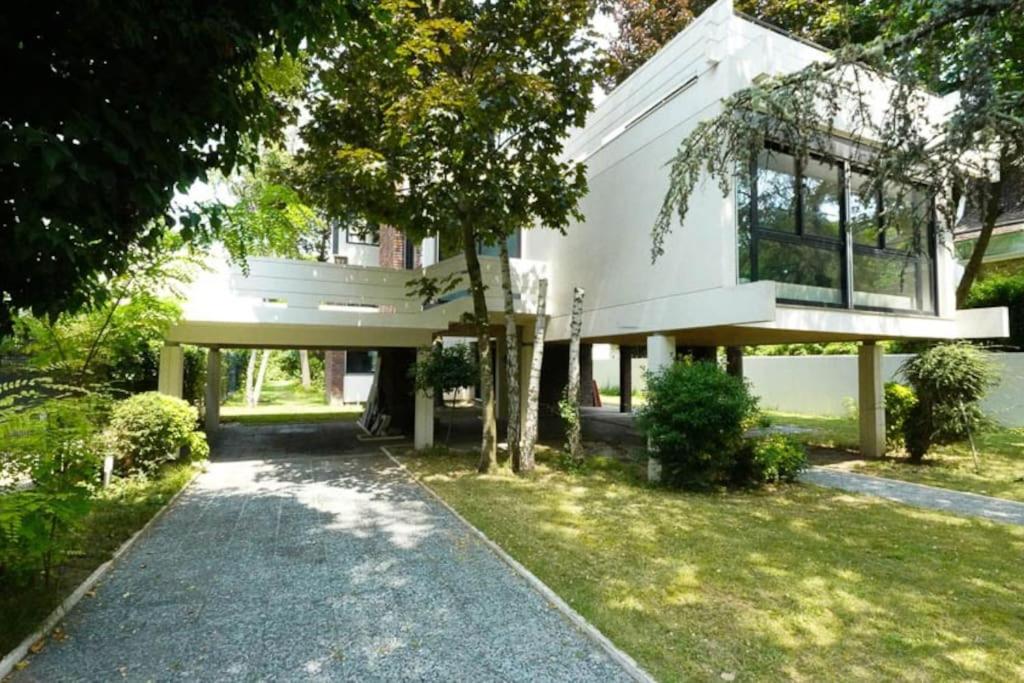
{"x": 212, "y": 390}
{"x": 871, "y": 400}
{"x": 625, "y": 379}
{"x": 587, "y": 375}
{"x": 661, "y": 352}
{"x": 423, "y": 424}
{"x": 734, "y": 361}
{"x": 172, "y": 370}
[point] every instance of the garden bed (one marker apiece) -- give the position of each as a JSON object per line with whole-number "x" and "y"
{"x": 118, "y": 512}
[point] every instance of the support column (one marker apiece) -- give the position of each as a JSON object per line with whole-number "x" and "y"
{"x": 423, "y": 426}
{"x": 172, "y": 368}
{"x": 212, "y": 390}
{"x": 587, "y": 375}
{"x": 661, "y": 352}
{"x": 871, "y": 400}
{"x": 734, "y": 361}
{"x": 625, "y": 379}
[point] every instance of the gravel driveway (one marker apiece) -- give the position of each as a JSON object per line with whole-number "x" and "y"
{"x": 315, "y": 568}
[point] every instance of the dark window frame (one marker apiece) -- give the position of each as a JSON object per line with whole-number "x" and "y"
{"x": 844, "y": 244}
{"x": 374, "y": 237}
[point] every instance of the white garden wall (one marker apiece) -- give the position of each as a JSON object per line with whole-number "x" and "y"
{"x": 827, "y": 385}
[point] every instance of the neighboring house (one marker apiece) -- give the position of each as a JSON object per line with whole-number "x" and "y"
{"x": 775, "y": 261}
{"x": 1005, "y": 252}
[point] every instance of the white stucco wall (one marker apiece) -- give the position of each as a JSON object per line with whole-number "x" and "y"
{"x": 627, "y": 144}
{"x": 827, "y": 385}
{"x": 357, "y": 387}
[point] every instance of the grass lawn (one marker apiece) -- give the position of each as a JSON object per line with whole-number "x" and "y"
{"x": 1000, "y": 451}
{"x": 801, "y": 583}
{"x": 120, "y": 511}
{"x": 286, "y": 401}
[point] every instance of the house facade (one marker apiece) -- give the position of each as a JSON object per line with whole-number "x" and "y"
{"x": 788, "y": 255}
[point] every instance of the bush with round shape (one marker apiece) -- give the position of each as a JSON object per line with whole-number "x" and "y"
{"x": 694, "y": 419}
{"x": 949, "y": 381}
{"x": 899, "y": 402}
{"x": 769, "y": 459}
{"x": 150, "y": 429}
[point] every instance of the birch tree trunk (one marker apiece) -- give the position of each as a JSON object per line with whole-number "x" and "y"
{"x": 575, "y": 434}
{"x": 526, "y": 456}
{"x": 489, "y": 441}
{"x": 511, "y": 358}
{"x": 259, "y": 378}
{"x": 307, "y": 381}
{"x": 250, "y": 378}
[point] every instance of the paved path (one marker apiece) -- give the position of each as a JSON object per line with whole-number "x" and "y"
{"x": 918, "y": 495}
{"x": 315, "y": 568}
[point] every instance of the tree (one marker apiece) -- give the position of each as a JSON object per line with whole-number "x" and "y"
{"x": 571, "y": 403}
{"x": 511, "y": 359}
{"x": 529, "y": 438}
{"x": 976, "y": 48}
{"x": 445, "y": 370}
{"x": 448, "y": 118}
{"x": 110, "y": 108}
{"x": 645, "y": 26}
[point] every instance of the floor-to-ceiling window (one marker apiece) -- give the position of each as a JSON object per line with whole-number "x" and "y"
{"x": 814, "y": 227}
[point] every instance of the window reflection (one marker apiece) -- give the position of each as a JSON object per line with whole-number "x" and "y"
{"x": 776, "y": 191}
{"x": 800, "y": 241}
{"x": 821, "y": 197}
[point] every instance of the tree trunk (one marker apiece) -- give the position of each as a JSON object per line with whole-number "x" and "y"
{"x": 526, "y": 456}
{"x": 307, "y": 381}
{"x": 575, "y": 434}
{"x": 250, "y": 379}
{"x": 489, "y": 441}
{"x": 511, "y": 357}
{"x": 992, "y": 208}
{"x": 259, "y": 378}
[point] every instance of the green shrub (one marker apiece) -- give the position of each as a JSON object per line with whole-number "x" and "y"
{"x": 772, "y": 459}
{"x": 694, "y": 420}
{"x": 899, "y": 401}
{"x": 949, "y": 381}
{"x": 1002, "y": 290}
{"x": 150, "y": 429}
{"x": 48, "y": 471}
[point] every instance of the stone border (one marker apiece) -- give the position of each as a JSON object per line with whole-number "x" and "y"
{"x": 627, "y": 663}
{"x": 19, "y": 653}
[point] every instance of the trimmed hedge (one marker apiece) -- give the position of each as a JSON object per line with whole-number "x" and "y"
{"x": 150, "y": 429}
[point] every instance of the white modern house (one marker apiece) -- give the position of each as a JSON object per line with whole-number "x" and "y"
{"x": 790, "y": 255}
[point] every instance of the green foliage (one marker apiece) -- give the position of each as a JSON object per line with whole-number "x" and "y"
{"x": 771, "y": 459}
{"x": 451, "y": 117}
{"x": 114, "y": 108}
{"x": 694, "y": 420}
{"x": 569, "y": 411}
{"x": 899, "y": 403}
{"x": 445, "y": 369}
{"x": 48, "y": 471}
{"x": 949, "y": 381}
{"x": 1002, "y": 290}
{"x": 645, "y": 26}
{"x": 148, "y": 430}
{"x": 956, "y": 45}
{"x": 272, "y": 217}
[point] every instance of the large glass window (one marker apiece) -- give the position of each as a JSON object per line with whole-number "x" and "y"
{"x": 819, "y": 225}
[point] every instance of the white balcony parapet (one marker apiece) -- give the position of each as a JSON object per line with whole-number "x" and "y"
{"x": 326, "y": 302}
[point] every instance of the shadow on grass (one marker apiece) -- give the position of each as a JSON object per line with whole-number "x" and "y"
{"x": 799, "y": 582}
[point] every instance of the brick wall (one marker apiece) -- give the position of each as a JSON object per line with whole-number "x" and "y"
{"x": 392, "y": 249}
